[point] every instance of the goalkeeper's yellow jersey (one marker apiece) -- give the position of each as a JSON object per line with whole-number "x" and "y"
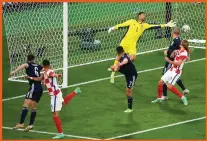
{"x": 135, "y": 30}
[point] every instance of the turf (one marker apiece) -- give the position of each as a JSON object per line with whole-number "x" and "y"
{"x": 98, "y": 111}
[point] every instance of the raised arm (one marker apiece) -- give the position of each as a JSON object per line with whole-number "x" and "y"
{"x": 23, "y": 66}
{"x": 52, "y": 74}
{"x": 169, "y": 24}
{"x": 124, "y": 24}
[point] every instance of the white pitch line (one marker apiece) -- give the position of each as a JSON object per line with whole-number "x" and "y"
{"x": 97, "y": 80}
{"x": 50, "y": 133}
{"x": 161, "y": 127}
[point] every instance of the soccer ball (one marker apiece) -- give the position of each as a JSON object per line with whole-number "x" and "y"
{"x": 186, "y": 28}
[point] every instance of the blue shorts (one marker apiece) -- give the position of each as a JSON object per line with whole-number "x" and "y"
{"x": 35, "y": 92}
{"x": 131, "y": 80}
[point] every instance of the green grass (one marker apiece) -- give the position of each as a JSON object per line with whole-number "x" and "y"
{"x": 98, "y": 111}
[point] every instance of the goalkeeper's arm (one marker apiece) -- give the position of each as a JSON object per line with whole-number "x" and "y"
{"x": 169, "y": 24}
{"x": 124, "y": 24}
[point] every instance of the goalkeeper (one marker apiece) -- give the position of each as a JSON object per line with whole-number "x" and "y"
{"x": 134, "y": 31}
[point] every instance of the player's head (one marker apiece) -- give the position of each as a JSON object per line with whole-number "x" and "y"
{"x": 46, "y": 63}
{"x": 176, "y": 32}
{"x": 185, "y": 45}
{"x": 30, "y": 58}
{"x": 141, "y": 16}
{"x": 120, "y": 50}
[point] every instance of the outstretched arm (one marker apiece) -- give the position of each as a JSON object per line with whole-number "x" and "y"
{"x": 124, "y": 24}
{"x": 23, "y": 66}
{"x": 169, "y": 24}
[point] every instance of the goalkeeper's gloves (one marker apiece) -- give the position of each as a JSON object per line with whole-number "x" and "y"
{"x": 111, "y": 29}
{"x": 170, "y": 24}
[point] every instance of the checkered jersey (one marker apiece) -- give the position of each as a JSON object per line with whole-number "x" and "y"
{"x": 51, "y": 82}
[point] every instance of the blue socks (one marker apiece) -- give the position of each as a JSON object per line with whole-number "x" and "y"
{"x": 32, "y": 117}
{"x": 130, "y": 100}
{"x": 23, "y": 114}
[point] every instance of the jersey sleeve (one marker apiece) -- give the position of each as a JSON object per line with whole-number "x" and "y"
{"x": 124, "y": 24}
{"x": 183, "y": 55}
{"x": 50, "y": 73}
{"x": 152, "y": 26}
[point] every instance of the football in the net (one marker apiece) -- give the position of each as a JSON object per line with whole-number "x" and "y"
{"x": 186, "y": 28}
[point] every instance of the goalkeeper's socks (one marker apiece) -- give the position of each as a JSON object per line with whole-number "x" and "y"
{"x": 69, "y": 97}
{"x": 164, "y": 90}
{"x": 32, "y": 117}
{"x": 23, "y": 114}
{"x": 130, "y": 101}
{"x": 58, "y": 124}
{"x": 159, "y": 90}
{"x": 180, "y": 83}
{"x": 175, "y": 91}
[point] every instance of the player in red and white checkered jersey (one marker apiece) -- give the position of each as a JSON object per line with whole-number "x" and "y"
{"x": 174, "y": 73}
{"x": 49, "y": 78}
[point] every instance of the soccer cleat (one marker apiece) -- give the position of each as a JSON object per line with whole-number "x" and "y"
{"x": 128, "y": 111}
{"x": 184, "y": 99}
{"x": 18, "y": 125}
{"x": 77, "y": 90}
{"x": 29, "y": 127}
{"x": 112, "y": 78}
{"x": 164, "y": 98}
{"x": 186, "y": 91}
{"x": 158, "y": 100}
{"x": 109, "y": 69}
{"x": 59, "y": 136}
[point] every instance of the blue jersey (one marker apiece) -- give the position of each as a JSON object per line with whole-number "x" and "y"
{"x": 33, "y": 70}
{"x": 175, "y": 45}
{"x": 128, "y": 69}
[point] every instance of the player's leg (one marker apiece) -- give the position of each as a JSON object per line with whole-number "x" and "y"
{"x": 24, "y": 112}
{"x": 164, "y": 79}
{"x": 180, "y": 83}
{"x": 36, "y": 96}
{"x": 71, "y": 95}
{"x": 132, "y": 57}
{"x": 113, "y": 73}
{"x": 130, "y": 83}
{"x": 56, "y": 106}
{"x": 165, "y": 69}
{"x": 174, "y": 90}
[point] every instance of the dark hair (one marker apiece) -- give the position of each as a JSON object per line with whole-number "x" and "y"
{"x": 176, "y": 31}
{"x": 30, "y": 57}
{"x": 120, "y": 50}
{"x": 185, "y": 44}
{"x": 46, "y": 63}
{"x": 140, "y": 13}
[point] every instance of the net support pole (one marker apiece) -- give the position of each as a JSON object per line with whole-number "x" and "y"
{"x": 168, "y": 12}
{"x": 65, "y": 45}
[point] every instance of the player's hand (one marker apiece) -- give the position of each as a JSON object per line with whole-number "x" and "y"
{"x": 111, "y": 29}
{"x": 26, "y": 77}
{"x": 11, "y": 73}
{"x": 170, "y": 24}
{"x": 59, "y": 75}
{"x": 188, "y": 58}
{"x": 165, "y": 52}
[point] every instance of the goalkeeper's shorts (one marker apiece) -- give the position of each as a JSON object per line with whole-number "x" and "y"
{"x": 130, "y": 50}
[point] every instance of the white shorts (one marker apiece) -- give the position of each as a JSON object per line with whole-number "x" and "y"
{"x": 170, "y": 77}
{"x": 56, "y": 102}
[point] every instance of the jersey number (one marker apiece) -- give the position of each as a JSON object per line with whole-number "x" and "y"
{"x": 36, "y": 71}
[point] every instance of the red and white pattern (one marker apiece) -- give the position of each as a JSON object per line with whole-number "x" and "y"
{"x": 181, "y": 55}
{"x": 51, "y": 82}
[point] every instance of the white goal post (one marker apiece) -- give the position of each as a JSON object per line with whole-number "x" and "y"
{"x": 75, "y": 34}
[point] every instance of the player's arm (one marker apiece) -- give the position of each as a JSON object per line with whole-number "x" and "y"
{"x": 124, "y": 24}
{"x": 155, "y": 26}
{"x": 52, "y": 74}
{"x": 178, "y": 63}
{"x": 35, "y": 78}
{"x": 23, "y": 66}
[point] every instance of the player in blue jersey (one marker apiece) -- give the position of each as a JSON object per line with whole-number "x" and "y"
{"x": 33, "y": 95}
{"x": 126, "y": 67}
{"x": 175, "y": 45}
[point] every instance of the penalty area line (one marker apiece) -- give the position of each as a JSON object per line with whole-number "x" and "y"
{"x": 50, "y": 133}
{"x": 157, "y": 128}
{"x": 102, "y": 79}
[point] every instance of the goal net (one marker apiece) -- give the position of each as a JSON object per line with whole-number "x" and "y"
{"x": 43, "y": 29}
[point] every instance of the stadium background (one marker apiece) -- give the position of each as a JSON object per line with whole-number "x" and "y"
{"x": 102, "y": 102}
